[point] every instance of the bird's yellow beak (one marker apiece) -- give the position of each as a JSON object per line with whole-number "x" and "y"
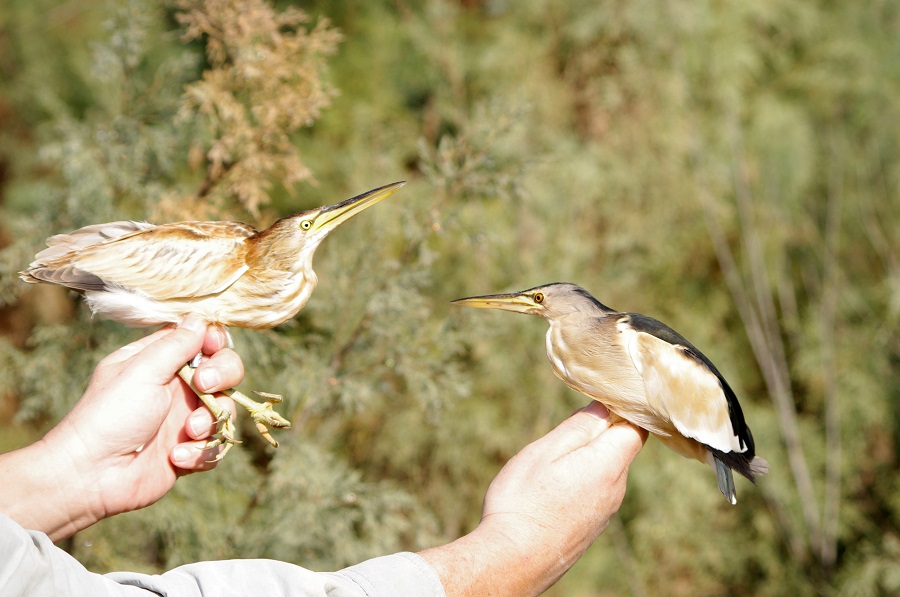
{"x": 516, "y": 302}
{"x": 332, "y": 216}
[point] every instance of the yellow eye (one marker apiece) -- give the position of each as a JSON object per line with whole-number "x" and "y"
{"x": 538, "y": 298}
{"x": 306, "y": 224}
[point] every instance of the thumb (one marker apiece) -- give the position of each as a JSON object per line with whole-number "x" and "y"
{"x": 170, "y": 352}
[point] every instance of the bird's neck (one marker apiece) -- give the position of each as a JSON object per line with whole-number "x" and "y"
{"x": 279, "y": 251}
{"x": 556, "y": 347}
{"x": 273, "y": 298}
{"x": 302, "y": 288}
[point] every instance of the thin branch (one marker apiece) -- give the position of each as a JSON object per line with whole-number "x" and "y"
{"x": 768, "y": 344}
{"x": 774, "y": 384}
{"x": 210, "y": 181}
{"x": 792, "y": 537}
{"x": 768, "y": 353}
{"x": 827, "y": 318}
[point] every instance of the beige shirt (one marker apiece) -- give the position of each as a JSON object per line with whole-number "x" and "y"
{"x": 32, "y": 566}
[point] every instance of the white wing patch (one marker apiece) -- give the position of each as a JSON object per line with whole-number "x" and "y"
{"x": 682, "y": 390}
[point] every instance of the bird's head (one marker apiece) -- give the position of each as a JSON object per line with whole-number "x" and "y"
{"x": 549, "y": 301}
{"x": 300, "y": 234}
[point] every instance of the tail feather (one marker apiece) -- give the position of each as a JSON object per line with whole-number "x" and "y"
{"x": 725, "y": 480}
{"x": 724, "y": 462}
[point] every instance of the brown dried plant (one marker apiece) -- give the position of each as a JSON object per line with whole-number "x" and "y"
{"x": 264, "y": 82}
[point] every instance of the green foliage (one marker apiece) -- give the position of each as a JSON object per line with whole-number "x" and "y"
{"x": 731, "y": 168}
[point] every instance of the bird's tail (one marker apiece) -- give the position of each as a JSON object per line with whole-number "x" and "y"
{"x": 724, "y": 462}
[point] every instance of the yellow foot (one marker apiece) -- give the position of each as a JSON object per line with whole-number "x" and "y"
{"x": 262, "y": 413}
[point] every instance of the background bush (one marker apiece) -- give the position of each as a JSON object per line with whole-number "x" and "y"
{"x": 728, "y": 167}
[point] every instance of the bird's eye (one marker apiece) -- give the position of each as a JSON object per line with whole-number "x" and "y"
{"x": 538, "y": 298}
{"x": 306, "y": 224}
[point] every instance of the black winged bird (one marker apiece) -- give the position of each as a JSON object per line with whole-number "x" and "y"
{"x": 643, "y": 371}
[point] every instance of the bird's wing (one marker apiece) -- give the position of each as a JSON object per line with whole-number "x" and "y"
{"x": 171, "y": 261}
{"x": 61, "y": 244}
{"x": 581, "y": 356}
{"x": 684, "y": 385}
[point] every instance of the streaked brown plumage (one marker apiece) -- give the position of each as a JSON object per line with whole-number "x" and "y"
{"x": 643, "y": 371}
{"x": 142, "y": 275}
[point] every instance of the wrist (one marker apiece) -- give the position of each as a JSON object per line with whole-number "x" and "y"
{"x": 491, "y": 560}
{"x": 44, "y": 490}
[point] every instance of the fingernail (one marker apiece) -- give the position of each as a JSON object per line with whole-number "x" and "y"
{"x": 596, "y": 409}
{"x": 207, "y": 379}
{"x": 198, "y": 422}
{"x": 219, "y": 334}
{"x": 180, "y": 454}
{"x": 193, "y": 322}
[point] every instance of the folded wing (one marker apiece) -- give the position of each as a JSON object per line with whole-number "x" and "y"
{"x": 685, "y": 387}
{"x": 172, "y": 261}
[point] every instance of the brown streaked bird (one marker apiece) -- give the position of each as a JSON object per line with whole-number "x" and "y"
{"x": 232, "y": 274}
{"x": 643, "y": 371}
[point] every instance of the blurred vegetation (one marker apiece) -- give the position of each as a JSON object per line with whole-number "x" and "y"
{"x": 731, "y": 168}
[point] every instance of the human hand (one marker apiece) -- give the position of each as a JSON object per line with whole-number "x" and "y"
{"x": 544, "y": 509}
{"x": 136, "y": 429}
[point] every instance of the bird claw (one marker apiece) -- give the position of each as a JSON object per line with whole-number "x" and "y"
{"x": 218, "y": 442}
{"x": 270, "y": 398}
{"x": 265, "y": 415}
{"x": 262, "y": 413}
{"x": 264, "y": 431}
{"x": 225, "y": 435}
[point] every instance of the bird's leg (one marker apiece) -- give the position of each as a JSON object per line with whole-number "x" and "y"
{"x": 262, "y": 413}
{"x": 225, "y": 429}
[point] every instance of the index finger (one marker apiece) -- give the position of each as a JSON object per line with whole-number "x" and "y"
{"x": 622, "y": 440}
{"x": 579, "y": 430}
{"x": 129, "y": 350}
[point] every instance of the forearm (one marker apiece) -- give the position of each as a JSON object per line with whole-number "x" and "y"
{"x": 543, "y": 510}
{"x": 489, "y": 562}
{"x": 31, "y": 566}
{"x": 40, "y": 494}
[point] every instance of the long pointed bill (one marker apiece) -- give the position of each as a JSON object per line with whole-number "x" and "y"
{"x": 516, "y": 302}
{"x": 333, "y": 216}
